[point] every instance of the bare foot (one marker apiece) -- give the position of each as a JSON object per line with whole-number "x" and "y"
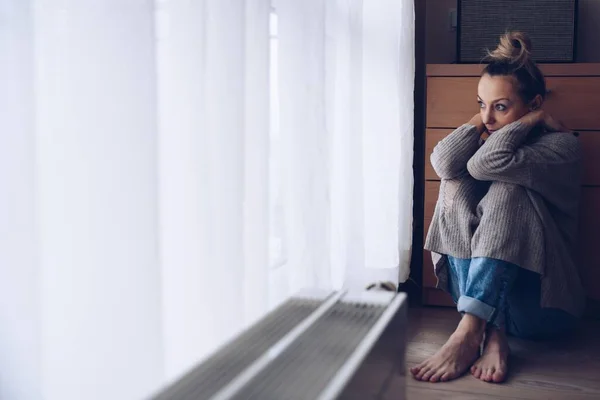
{"x": 456, "y": 356}
{"x": 492, "y": 366}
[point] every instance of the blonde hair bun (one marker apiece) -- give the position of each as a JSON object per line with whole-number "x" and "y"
{"x": 514, "y": 48}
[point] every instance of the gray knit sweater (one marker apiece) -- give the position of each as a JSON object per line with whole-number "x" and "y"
{"x": 513, "y": 198}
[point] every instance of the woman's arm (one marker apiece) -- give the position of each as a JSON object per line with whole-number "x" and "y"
{"x": 450, "y": 156}
{"x": 549, "y": 165}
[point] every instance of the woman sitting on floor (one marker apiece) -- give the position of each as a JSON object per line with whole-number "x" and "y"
{"x": 505, "y": 223}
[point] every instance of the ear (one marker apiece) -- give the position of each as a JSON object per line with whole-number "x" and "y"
{"x": 536, "y": 103}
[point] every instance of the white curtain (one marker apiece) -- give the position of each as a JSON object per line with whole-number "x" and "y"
{"x": 346, "y": 71}
{"x": 170, "y": 170}
{"x": 213, "y": 74}
{"x": 80, "y": 281}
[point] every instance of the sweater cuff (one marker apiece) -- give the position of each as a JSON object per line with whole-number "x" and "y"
{"x": 513, "y": 134}
{"x": 471, "y": 128}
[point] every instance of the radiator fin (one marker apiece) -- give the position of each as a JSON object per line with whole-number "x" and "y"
{"x": 305, "y": 368}
{"x": 220, "y": 369}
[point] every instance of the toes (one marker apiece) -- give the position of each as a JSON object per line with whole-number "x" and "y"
{"x": 436, "y": 377}
{"x": 481, "y": 374}
{"x": 445, "y": 377}
{"x": 499, "y": 376}
{"x": 476, "y": 372}
{"x": 417, "y": 369}
{"x": 427, "y": 375}
{"x": 489, "y": 375}
{"x": 421, "y": 374}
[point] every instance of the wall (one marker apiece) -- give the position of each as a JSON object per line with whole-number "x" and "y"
{"x": 441, "y": 40}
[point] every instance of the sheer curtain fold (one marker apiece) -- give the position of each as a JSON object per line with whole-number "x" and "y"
{"x": 214, "y": 110}
{"x": 20, "y": 298}
{"x": 346, "y": 86}
{"x": 149, "y": 208}
{"x": 80, "y": 285}
{"x": 301, "y": 33}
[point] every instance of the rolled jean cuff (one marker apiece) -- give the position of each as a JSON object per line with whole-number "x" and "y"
{"x": 475, "y": 307}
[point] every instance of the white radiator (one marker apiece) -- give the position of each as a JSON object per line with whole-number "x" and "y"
{"x": 342, "y": 345}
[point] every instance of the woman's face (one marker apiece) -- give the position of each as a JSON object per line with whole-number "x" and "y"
{"x": 499, "y": 102}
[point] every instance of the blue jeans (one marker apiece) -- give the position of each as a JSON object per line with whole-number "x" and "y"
{"x": 506, "y": 296}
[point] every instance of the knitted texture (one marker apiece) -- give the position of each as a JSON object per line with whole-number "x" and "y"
{"x": 513, "y": 198}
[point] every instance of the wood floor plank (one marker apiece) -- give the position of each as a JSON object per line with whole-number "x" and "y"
{"x": 431, "y": 394}
{"x": 566, "y": 369}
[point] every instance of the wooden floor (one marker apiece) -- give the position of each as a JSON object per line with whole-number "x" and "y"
{"x": 567, "y": 369}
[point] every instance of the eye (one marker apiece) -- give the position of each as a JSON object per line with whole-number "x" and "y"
{"x": 481, "y": 105}
{"x": 500, "y": 107}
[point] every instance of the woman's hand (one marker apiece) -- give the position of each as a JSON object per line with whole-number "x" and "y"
{"x": 478, "y": 122}
{"x": 540, "y": 117}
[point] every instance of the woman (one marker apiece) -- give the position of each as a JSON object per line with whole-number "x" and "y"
{"x": 505, "y": 223}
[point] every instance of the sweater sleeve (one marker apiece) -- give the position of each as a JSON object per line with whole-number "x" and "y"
{"x": 450, "y": 156}
{"x": 549, "y": 165}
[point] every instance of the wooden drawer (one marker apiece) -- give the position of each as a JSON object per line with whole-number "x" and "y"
{"x": 574, "y": 101}
{"x": 589, "y": 239}
{"x": 452, "y": 101}
{"x": 437, "y": 297}
{"x": 590, "y": 143}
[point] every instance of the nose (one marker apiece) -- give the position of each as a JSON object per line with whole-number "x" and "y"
{"x": 488, "y": 116}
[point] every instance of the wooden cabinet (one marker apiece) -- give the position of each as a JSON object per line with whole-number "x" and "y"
{"x": 452, "y": 101}
{"x": 589, "y": 239}
{"x": 573, "y": 98}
